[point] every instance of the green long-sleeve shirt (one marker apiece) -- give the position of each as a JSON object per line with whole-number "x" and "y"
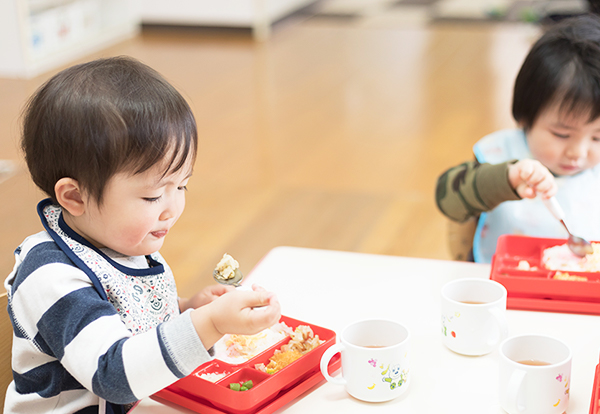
{"x": 471, "y": 188}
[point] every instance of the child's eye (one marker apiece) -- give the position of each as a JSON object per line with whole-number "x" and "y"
{"x": 596, "y": 139}
{"x": 183, "y": 187}
{"x": 152, "y": 199}
{"x": 564, "y": 136}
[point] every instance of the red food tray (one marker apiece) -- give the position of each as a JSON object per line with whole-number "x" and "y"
{"x": 536, "y": 289}
{"x": 269, "y": 392}
{"x": 595, "y": 404}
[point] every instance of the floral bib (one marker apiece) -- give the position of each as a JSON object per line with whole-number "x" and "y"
{"x": 143, "y": 298}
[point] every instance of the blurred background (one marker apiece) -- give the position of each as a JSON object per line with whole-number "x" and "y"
{"x": 322, "y": 124}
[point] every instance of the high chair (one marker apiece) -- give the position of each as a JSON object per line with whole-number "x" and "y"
{"x": 460, "y": 238}
{"x": 6, "y": 335}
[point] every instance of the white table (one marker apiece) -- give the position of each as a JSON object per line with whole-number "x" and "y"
{"x": 332, "y": 289}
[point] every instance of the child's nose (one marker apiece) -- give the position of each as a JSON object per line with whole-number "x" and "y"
{"x": 167, "y": 213}
{"x": 577, "y": 150}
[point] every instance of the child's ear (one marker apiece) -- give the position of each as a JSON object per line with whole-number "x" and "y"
{"x": 69, "y": 196}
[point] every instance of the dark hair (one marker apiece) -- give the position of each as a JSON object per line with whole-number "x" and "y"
{"x": 103, "y": 117}
{"x": 562, "y": 67}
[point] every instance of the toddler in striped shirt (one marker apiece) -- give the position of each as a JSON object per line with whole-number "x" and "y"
{"x": 97, "y": 320}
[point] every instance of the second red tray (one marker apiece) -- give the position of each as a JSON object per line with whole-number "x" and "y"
{"x": 595, "y": 403}
{"x": 536, "y": 288}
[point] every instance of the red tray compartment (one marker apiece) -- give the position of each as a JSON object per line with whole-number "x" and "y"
{"x": 268, "y": 393}
{"x": 536, "y": 289}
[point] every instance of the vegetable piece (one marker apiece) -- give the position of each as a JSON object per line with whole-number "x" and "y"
{"x": 245, "y": 386}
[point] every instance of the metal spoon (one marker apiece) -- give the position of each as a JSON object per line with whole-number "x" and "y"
{"x": 223, "y": 271}
{"x": 234, "y": 281}
{"x": 580, "y": 247}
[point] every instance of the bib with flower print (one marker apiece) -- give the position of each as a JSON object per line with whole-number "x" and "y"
{"x": 143, "y": 298}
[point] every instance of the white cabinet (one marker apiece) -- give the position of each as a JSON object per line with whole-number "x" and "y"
{"x": 40, "y": 35}
{"x": 258, "y": 15}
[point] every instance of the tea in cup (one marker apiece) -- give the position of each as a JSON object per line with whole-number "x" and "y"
{"x": 473, "y": 315}
{"x": 535, "y": 375}
{"x": 374, "y": 360}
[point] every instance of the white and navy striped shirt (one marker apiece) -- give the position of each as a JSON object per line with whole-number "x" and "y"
{"x": 70, "y": 347}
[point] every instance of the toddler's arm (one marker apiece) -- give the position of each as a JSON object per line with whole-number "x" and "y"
{"x": 471, "y": 188}
{"x": 70, "y": 333}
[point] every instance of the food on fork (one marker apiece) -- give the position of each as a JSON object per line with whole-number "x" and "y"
{"x": 237, "y": 349}
{"x": 226, "y": 268}
{"x": 561, "y": 258}
{"x": 303, "y": 340}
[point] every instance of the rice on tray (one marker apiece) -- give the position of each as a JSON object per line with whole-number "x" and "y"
{"x": 561, "y": 258}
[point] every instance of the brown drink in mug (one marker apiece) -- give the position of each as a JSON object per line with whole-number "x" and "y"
{"x": 534, "y": 375}
{"x": 473, "y": 315}
{"x": 374, "y": 360}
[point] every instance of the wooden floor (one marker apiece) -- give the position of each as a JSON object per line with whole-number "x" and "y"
{"x": 328, "y": 135}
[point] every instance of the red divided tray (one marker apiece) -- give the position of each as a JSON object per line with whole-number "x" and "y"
{"x": 269, "y": 392}
{"x": 595, "y": 404}
{"x": 536, "y": 289}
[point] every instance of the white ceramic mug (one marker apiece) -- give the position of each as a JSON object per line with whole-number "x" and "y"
{"x": 473, "y": 315}
{"x": 537, "y": 388}
{"x": 374, "y": 360}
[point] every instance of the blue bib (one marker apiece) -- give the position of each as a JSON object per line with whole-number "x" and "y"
{"x": 579, "y": 196}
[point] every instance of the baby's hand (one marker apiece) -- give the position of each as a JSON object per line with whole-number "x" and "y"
{"x": 233, "y": 313}
{"x": 530, "y": 178}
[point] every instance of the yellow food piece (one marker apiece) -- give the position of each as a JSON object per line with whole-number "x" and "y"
{"x": 566, "y": 276}
{"x": 281, "y": 360}
{"x": 302, "y": 341}
{"x": 226, "y": 267}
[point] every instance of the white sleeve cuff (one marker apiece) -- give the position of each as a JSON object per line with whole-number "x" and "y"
{"x": 182, "y": 344}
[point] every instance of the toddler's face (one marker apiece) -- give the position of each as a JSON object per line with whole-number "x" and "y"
{"x": 565, "y": 143}
{"x": 137, "y": 211}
